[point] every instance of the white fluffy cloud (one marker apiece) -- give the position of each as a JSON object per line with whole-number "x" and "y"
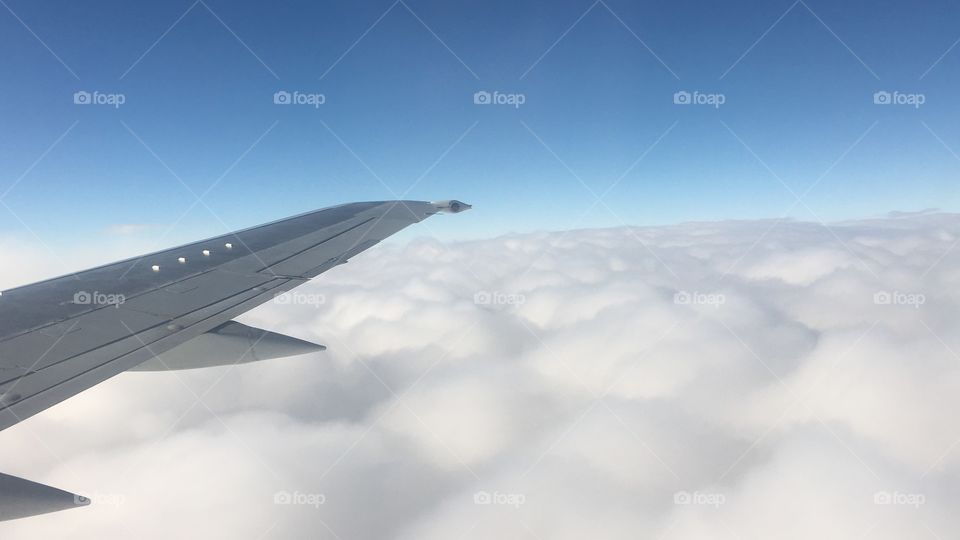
{"x": 743, "y": 380}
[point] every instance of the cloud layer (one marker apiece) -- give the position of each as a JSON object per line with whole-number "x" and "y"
{"x": 755, "y": 379}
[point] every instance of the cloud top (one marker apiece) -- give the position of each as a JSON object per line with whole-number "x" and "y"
{"x": 750, "y": 379}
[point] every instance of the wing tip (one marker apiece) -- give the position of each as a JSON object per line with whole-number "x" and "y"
{"x": 452, "y": 206}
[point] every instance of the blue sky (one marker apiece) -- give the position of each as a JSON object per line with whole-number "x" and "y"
{"x": 398, "y": 79}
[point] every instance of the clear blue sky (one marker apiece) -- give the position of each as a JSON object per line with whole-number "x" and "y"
{"x": 399, "y": 79}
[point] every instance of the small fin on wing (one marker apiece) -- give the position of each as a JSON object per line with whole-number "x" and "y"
{"x": 228, "y": 344}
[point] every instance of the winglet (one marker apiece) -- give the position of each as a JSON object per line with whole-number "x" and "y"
{"x": 451, "y": 206}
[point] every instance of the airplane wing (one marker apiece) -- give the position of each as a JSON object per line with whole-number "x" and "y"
{"x": 172, "y": 309}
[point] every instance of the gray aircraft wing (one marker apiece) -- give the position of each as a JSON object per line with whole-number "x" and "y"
{"x": 172, "y": 309}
